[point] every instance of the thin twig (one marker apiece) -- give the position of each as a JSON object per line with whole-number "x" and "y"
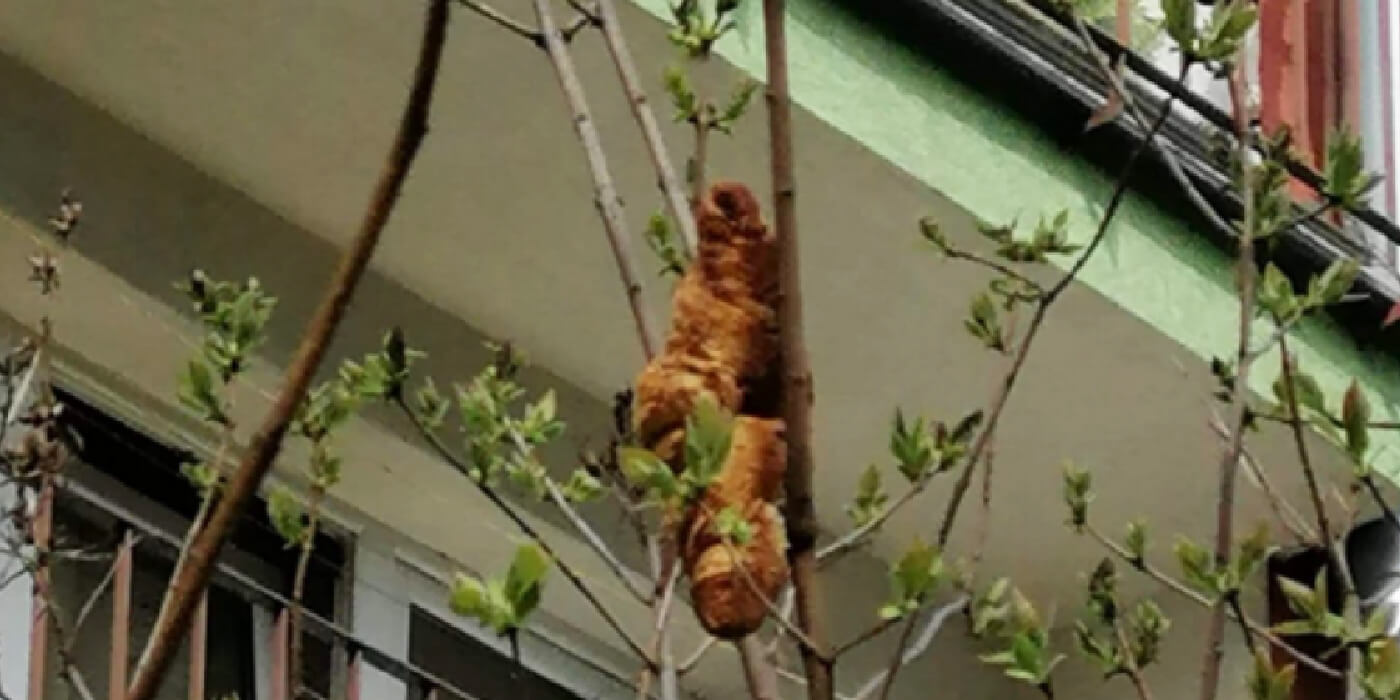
{"x": 595, "y": 542}
{"x": 1194, "y": 596}
{"x": 666, "y": 179}
{"x": 606, "y": 199}
{"x": 1042, "y": 307}
{"x": 694, "y": 659}
{"x": 308, "y": 545}
{"x": 97, "y": 592}
{"x": 916, "y": 647}
{"x": 1130, "y": 665}
{"x": 190, "y": 581}
{"x": 1285, "y": 512}
{"x": 525, "y": 528}
{"x": 1245, "y": 273}
{"x": 515, "y": 26}
{"x": 760, "y": 677}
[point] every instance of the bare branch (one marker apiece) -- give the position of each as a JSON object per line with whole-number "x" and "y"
{"x": 760, "y": 676}
{"x": 1192, "y": 595}
{"x": 911, "y": 647}
{"x": 526, "y": 529}
{"x": 1245, "y": 274}
{"x": 666, "y": 179}
{"x": 191, "y": 580}
{"x": 505, "y": 21}
{"x": 606, "y": 199}
{"x": 1285, "y": 512}
{"x": 624, "y": 574}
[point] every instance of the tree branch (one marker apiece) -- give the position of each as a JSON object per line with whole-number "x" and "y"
{"x": 1245, "y": 273}
{"x": 308, "y": 545}
{"x": 916, "y": 646}
{"x": 1192, "y": 595}
{"x": 671, "y": 188}
{"x": 191, "y": 580}
{"x": 595, "y": 542}
{"x": 1286, "y": 513}
{"x": 526, "y": 529}
{"x": 606, "y": 199}
{"x": 1120, "y": 190}
{"x": 795, "y": 371}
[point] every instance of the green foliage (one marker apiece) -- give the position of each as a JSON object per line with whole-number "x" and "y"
{"x": 739, "y": 100}
{"x": 582, "y": 487}
{"x": 203, "y": 476}
{"x": 503, "y": 604}
{"x": 917, "y": 574}
{"x": 1380, "y": 675}
{"x": 1356, "y": 419}
{"x": 1050, "y": 237}
{"x": 1136, "y": 541}
{"x": 731, "y": 525}
{"x": 870, "y": 497}
{"x": 661, "y": 239}
{"x": 1078, "y": 494}
{"x": 1276, "y": 295}
{"x": 1345, "y": 182}
{"x": 699, "y": 24}
{"x": 683, "y": 98}
{"x": 197, "y": 392}
{"x": 1267, "y": 684}
{"x": 708, "y": 434}
{"x": 1224, "y": 34}
{"x": 920, "y": 449}
{"x": 287, "y": 515}
{"x": 1027, "y": 655}
{"x": 1222, "y": 579}
{"x": 984, "y": 323}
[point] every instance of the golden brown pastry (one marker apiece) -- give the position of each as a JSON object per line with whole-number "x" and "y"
{"x": 721, "y": 343}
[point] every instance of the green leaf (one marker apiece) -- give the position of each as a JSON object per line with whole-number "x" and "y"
{"x": 1252, "y": 552}
{"x": 1179, "y": 19}
{"x": 983, "y": 322}
{"x": 870, "y": 497}
{"x": 1356, "y": 419}
{"x": 708, "y": 433}
{"x": 919, "y": 570}
{"x": 730, "y": 524}
{"x": 1276, "y": 293}
{"x": 677, "y": 85}
{"x": 1381, "y": 674}
{"x": 1267, "y": 684}
{"x": 582, "y": 487}
{"x": 1197, "y": 566}
{"x": 285, "y": 512}
{"x": 1344, "y": 180}
{"x": 737, "y": 105}
{"x": 1334, "y": 282}
{"x": 1078, "y": 494}
{"x": 1136, "y": 540}
{"x": 644, "y": 469}
{"x": 911, "y": 446}
{"x": 196, "y": 391}
{"x": 662, "y": 241}
{"x": 524, "y": 579}
{"x": 468, "y": 596}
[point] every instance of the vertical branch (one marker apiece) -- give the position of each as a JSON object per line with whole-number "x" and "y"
{"x": 795, "y": 373}
{"x": 189, "y": 582}
{"x": 605, "y": 196}
{"x": 759, "y": 675}
{"x": 308, "y": 545}
{"x": 641, "y": 111}
{"x": 1245, "y": 272}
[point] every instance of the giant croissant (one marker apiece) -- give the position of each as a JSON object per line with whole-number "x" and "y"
{"x": 721, "y": 343}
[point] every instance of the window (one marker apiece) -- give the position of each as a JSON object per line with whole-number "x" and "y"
{"x": 119, "y": 482}
{"x": 472, "y": 666}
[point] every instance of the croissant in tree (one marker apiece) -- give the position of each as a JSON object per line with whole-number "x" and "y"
{"x": 721, "y": 343}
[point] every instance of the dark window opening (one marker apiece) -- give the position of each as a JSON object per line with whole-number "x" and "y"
{"x": 470, "y": 665}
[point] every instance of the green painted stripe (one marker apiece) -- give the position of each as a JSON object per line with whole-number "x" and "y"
{"x": 962, "y": 144}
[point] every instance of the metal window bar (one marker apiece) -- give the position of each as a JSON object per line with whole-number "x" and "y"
{"x": 358, "y": 651}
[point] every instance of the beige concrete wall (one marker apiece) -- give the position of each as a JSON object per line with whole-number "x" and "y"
{"x": 241, "y": 137}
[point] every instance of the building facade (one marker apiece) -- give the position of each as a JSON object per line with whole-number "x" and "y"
{"x": 242, "y": 138}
